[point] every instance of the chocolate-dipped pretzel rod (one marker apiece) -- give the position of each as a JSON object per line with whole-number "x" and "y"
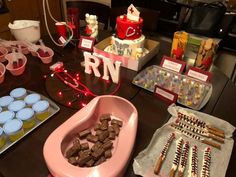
{"x": 199, "y": 131}
{"x": 178, "y": 152}
{"x": 184, "y": 159}
{"x": 196, "y": 137}
{"x": 192, "y": 120}
{"x": 163, "y": 153}
{"x": 206, "y": 163}
{"x": 193, "y": 163}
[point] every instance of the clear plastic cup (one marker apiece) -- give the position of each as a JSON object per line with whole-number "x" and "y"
{"x": 6, "y": 116}
{"x": 13, "y": 129}
{"x": 46, "y": 59}
{"x": 18, "y": 93}
{"x": 32, "y": 98}
{"x": 5, "y": 101}
{"x": 42, "y": 109}
{"x": 2, "y": 72}
{"x": 16, "y": 106}
{"x": 27, "y": 117}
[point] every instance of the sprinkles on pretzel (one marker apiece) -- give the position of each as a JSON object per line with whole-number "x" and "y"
{"x": 199, "y": 131}
{"x": 194, "y": 162}
{"x": 176, "y": 160}
{"x": 194, "y": 121}
{"x": 184, "y": 159}
{"x": 163, "y": 153}
{"x": 205, "y": 172}
{"x": 195, "y": 136}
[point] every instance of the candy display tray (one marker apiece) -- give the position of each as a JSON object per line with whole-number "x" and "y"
{"x": 183, "y": 85}
{"x": 53, "y": 109}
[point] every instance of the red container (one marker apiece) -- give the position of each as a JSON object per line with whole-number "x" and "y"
{"x": 73, "y": 20}
{"x": 128, "y": 29}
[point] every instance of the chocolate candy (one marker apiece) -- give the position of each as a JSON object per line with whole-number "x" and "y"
{"x": 118, "y": 122}
{"x": 84, "y": 159}
{"x": 84, "y": 133}
{"x": 90, "y": 163}
{"x": 92, "y": 138}
{"x": 107, "y": 145}
{"x": 72, "y": 151}
{"x": 103, "y": 135}
{"x": 72, "y": 160}
{"x": 85, "y": 152}
{"x": 96, "y": 146}
{"x": 108, "y": 154}
{"x": 101, "y": 149}
{"x": 84, "y": 146}
{"x": 97, "y": 154}
{"x": 98, "y": 132}
{"x": 116, "y": 128}
{"x": 102, "y": 159}
{"x": 104, "y": 125}
{"x": 97, "y": 127}
{"x": 111, "y": 129}
{"x": 105, "y": 117}
{"x": 112, "y": 135}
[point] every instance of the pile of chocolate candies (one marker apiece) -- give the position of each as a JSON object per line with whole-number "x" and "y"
{"x": 105, "y": 132}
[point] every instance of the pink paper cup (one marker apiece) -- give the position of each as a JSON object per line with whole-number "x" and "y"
{"x": 4, "y": 51}
{"x": 18, "y": 71}
{"x": 61, "y": 29}
{"x": 48, "y": 59}
{"x": 2, "y": 72}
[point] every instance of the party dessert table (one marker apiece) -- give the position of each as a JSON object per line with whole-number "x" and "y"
{"x": 25, "y": 158}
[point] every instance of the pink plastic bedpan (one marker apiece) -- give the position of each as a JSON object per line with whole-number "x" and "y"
{"x": 63, "y": 138}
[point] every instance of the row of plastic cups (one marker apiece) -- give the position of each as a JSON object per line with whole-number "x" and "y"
{"x": 23, "y": 120}
{"x": 18, "y": 45}
{"x": 19, "y": 94}
{"x": 41, "y": 108}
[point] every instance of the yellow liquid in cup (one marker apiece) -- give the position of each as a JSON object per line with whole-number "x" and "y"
{"x": 2, "y": 142}
{"x": 28, "y": 124}
{"x": 42, "y": 116}
{"x": 16, "y": 136}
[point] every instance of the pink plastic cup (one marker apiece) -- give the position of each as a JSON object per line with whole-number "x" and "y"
{"x": 47, "y": 59}
{"x": 4, "y": 51}
{"x": 18, "y": 71}
{"x": 2, "y": 72}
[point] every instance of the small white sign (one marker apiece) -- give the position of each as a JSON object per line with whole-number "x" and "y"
{"x": 198, "y": 75}
{"x": 165, "y": 94}
{"x": 86, "y": 43}
{"x": 172, "y": 65}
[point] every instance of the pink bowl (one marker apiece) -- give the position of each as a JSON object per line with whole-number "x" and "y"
{"x": 17, "y": 71}
{"x": 48, "y": 59}
{"x": 2, "y": 72}
{"x": 4, "y": 51}
{"x": 61, "y": 139}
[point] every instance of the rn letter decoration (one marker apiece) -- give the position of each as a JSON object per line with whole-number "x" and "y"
{"x": 92, "y": 63}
